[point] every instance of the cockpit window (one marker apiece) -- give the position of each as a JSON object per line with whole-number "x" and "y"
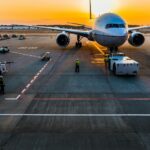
{"x": 115, "y": 26}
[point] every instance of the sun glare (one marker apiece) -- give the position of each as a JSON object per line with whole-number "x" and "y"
{"x": 104, "y": 6}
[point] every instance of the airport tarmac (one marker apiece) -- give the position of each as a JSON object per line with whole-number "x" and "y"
{"x": 49, "y": 106}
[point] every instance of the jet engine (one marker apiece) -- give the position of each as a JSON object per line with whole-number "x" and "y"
{"x": 63, "y": 39}
{"x": 136, "y": 39}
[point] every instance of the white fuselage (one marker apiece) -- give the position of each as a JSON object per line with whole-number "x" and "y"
{"x": 110, "y": 30}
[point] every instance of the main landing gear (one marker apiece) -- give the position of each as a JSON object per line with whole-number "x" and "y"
{"x": 113, "y": 49}
{"x": 78, "y": 43}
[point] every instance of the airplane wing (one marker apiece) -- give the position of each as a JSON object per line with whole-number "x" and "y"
{"x": 137, "y": 28}
{"x": 73, "y": 31}
{"x": 81, "y": 25}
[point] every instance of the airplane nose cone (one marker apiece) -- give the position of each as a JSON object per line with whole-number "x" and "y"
{"x": 117, "y": 32}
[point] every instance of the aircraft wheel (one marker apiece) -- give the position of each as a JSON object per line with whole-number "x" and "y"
{"x": 78, "y": 45}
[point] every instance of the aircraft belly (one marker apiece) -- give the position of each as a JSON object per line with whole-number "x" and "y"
{"x": 110, "y": 41}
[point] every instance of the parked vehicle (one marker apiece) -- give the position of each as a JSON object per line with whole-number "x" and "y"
{"x": 4, "y": 49}
{"x": 120, "y": 64}
{"x": 22, "y": 37}
{"x": 46, "y": 56}
{"x": 1, "y": 38}
{"x": 6, "y": 36}
{"x": 14, "y": 36}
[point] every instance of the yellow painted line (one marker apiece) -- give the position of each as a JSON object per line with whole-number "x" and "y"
{"x": 98, "y": 49}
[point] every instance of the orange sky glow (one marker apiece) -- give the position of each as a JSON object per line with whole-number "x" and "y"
{"x": 63, "y": 11}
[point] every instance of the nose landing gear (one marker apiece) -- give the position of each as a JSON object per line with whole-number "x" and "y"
{"x": 78, "y": 44}
{"x": 113, "y": 49}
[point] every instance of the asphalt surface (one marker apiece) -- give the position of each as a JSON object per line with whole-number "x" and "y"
{"x": 49, "y": 106}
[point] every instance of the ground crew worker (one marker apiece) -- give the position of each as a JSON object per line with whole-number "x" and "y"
{"x": 106, "y": 59}
{"x": 109, "y": 62}
{"x": 77, "y": 66}
{"x": 2, "y": 85}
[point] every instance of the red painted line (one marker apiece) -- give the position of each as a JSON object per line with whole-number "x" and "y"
{"x": 92, "y": 99}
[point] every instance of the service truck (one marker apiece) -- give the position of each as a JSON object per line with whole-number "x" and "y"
{"x": 120, "y": 64}
{"x": 4, "y": 49}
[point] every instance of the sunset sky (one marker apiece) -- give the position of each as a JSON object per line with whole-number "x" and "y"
{"x": 63, "y": 11}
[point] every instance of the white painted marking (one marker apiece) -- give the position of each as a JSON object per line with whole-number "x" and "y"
{"x": 38, "y": 74}
{"x": 77, "y": 115}
{"x": 27, "y": 48}
{"x": 25, "y": 54}
{"x": 23, "y": 91}
{"x": 32, "y": 81}
{"x": 35, "y": 77}
{"x": 10, "y": 99}
{"x": 18, "y": 96}
{"x": 13, "y": 99}
{"x": 42, "y": 69}
{"x": 28, "y": 85}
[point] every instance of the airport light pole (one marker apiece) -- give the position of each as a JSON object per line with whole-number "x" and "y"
{"x": 90, "y": 7}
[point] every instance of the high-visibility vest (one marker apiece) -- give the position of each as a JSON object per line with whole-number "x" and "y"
{"x": 106, "y": 58}
{"x": 77, "y": 62}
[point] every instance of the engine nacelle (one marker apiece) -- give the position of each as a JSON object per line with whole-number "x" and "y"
{"x": 63, "y": 39}
{"x": 136, "y": 39}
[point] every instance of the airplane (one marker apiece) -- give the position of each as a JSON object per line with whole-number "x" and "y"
{"x": 80, "y": 25}
{"x": 110, "y": 31}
